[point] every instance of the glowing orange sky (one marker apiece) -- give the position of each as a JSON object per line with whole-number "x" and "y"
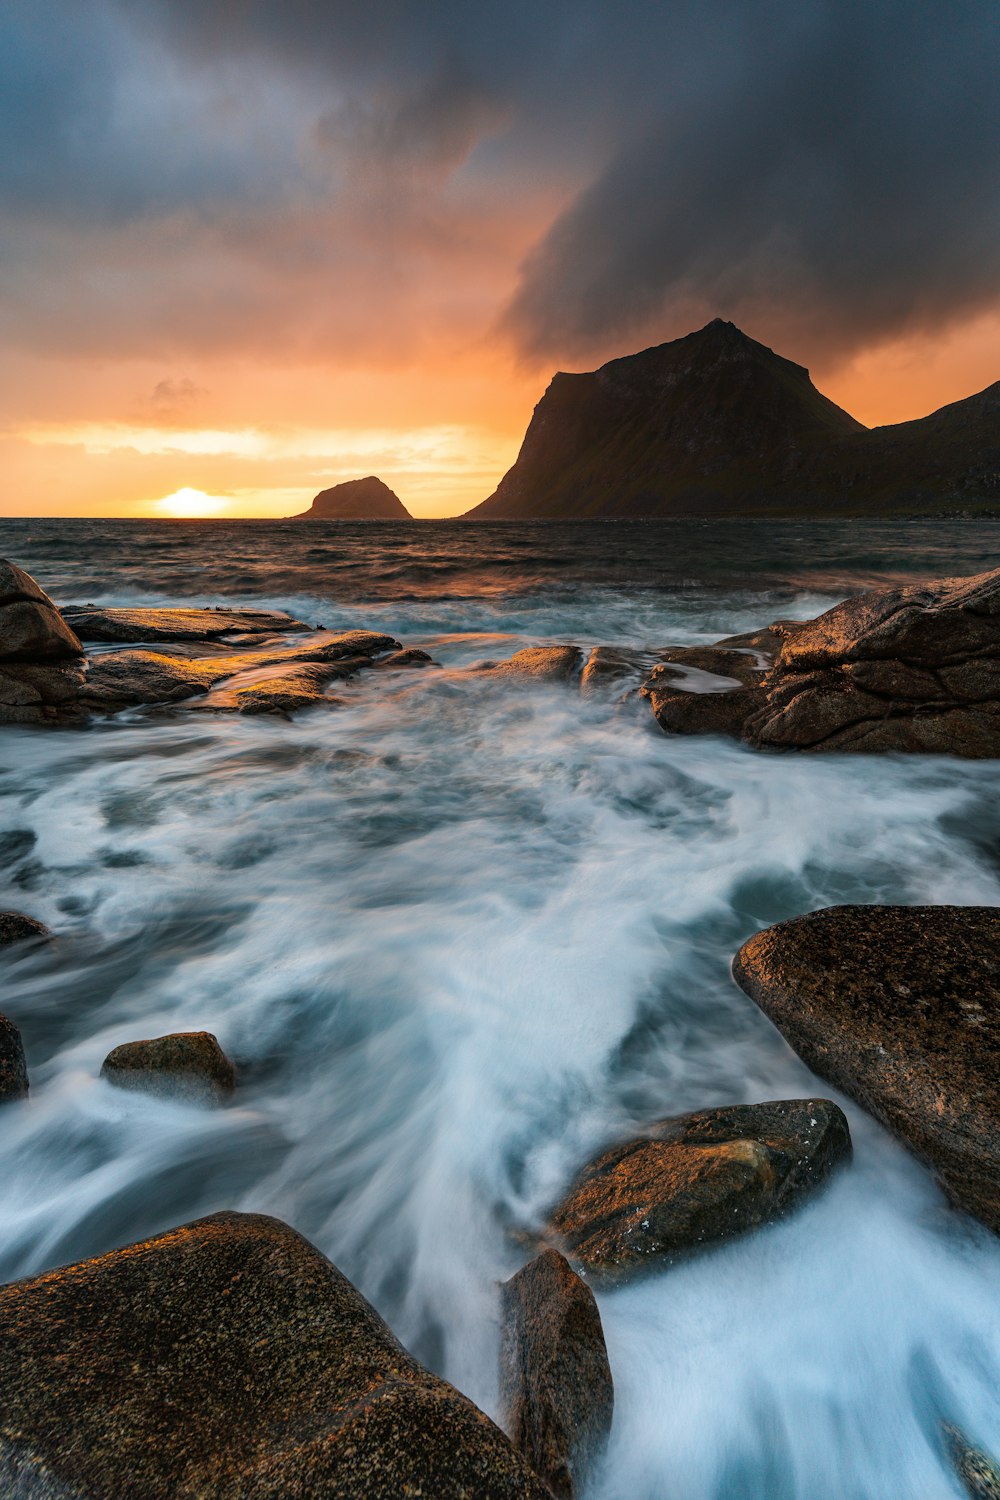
{"x": 92, "y": 442}
{"x": 255, "y": 250}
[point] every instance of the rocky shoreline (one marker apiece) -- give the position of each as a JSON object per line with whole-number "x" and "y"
{"x": 228, "y": 1357}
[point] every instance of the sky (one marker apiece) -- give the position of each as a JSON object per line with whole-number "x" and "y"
{"x": 251, "y": 248}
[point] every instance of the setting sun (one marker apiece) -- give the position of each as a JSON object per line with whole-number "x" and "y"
{"x": 191, "y": 503}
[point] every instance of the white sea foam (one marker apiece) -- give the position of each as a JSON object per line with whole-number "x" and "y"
{"x": 457, "y": 935}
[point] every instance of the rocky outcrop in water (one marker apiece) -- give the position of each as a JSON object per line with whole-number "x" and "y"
{"x": 555, "y": 1380}
{"x": 356, "y": 500}
{"x": 696, "y": 1179}
{"x": 914, "y": 669}
{"x": 122, "y": 679}
{"x": 898, "y": 1006}
{"x": 184, "y": 1065}
{"x": 977, "y": 1472}
{"x": 92, "y": 622}
{"x": 15, "y": 927}
{"x": 228, "y": 1358}
{"x": 40, "y": 657}
{"x": 543, "y": 663}
{"x": 13, "y": 1067}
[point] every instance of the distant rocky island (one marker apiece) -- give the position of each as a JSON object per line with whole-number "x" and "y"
{"x": 356, "y": 500}
{"x": 718, "y": 424}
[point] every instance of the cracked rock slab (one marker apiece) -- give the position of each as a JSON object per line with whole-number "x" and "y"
{"x": 899, "y": 1007}
{"x": 94, "y": 623}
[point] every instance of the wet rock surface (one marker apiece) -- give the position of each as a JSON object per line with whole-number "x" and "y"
{"x": 92, "y": 622}
{"x": 13, "y": 1067}
{"x": 123, "y": 679}
{"x": 543, "y": 663}
{"x": 898, "y": 1006}
{"x": 613, "y": 667}
{"x": 913, "y": 669}
{"x": 555, "y": 1380}
{"x": 696, "y": 1179}
{"x": 228, "y": 1358}
{"x": 15, "y": 927}
{"x": 184, "y": 1065}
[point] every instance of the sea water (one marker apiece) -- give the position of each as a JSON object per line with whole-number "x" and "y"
{"x": 458, "y": 933}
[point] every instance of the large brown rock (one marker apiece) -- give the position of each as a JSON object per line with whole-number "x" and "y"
{"x": 555, "y": 1380}
{"x": 31, "y": 628}
{"x": 185, "y": 1065}
{"x": 914, "y": 669}
{"x": 93, "y": 622}
{"x": 696, "y": 1179}
{"x": 228, "y": 1359}
{"x": 898, "y": 1006}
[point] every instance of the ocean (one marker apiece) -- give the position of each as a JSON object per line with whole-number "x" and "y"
{"x": 458, "y": 933}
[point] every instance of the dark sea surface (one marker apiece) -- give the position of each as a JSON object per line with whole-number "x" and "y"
{"x": 460, "y": 932}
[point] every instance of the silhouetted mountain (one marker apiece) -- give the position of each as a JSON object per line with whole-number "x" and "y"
{"x": 715, "y": 424}
{"x": 356, "y": 500}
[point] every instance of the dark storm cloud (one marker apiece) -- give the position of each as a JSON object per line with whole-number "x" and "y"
{"x": 826, "y": 170}
{"x": 843, "y": 183}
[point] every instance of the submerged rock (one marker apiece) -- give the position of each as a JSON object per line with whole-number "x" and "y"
{"x": 696, "y": 1179}
{"x": 611, "y": 666}
{"x": 976, "y": 1470}
{"x": 92, "y": 622}
{"x": 15, "y": 927}
{"x": 544, "y": 663}
{"x": 228, "y": 1358}
{"x": 898, "y": 1006}
{"x": 555, "y": 1380}
{"x": 411, "y": 657}
{"x": 914, "y": 669}
{"x": 13, "y": 1068}
{"x": 183, "y": 1065}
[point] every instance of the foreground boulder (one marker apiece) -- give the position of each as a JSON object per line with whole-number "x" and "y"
{"x": 898, "y": 1006}
{"x": 228, "y": 1359}
{"x": 914, "y": 669}
{"x": 184, "y": 1065}
{"x": 696, "y": 1179}
{"x": 40, "y": 656}
{"x": 555, "y": 1380}
{"x": 92, "y": 622}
